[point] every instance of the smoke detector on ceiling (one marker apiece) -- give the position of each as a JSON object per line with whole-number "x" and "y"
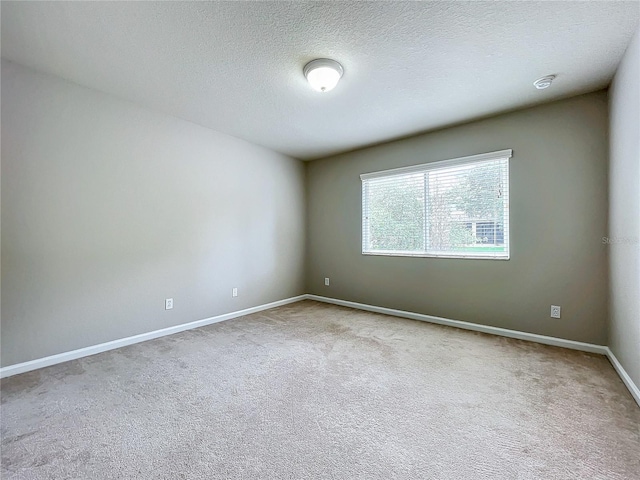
{"x": 544, "y": 82}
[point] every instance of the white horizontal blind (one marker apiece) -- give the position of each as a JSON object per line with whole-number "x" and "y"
{"x": 456, "y": 208}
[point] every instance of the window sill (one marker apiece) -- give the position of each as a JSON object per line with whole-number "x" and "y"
{"x": 435, "y": 255}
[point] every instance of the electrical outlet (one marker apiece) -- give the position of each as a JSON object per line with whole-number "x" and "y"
{"x": 555, "y": 311}
{"x": 326, "y": 281}
{"x": 234, "y": 292}
{"x": 168, "y": 303}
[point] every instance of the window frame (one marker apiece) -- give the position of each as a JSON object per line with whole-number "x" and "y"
{"x": 423, "y": 168}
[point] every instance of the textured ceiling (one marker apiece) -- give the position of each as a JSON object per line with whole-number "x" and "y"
{"x": 236, "y": 67}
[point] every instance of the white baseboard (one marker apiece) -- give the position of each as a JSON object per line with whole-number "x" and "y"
{"x": 503, "y": 332}
{"x": 123, "y": 342}
{"x": 624, "y": 376}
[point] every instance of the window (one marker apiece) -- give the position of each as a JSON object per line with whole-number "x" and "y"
{"x": 454, "y": 208}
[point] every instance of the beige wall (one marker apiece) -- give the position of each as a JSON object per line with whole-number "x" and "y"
{"x": 558, "y": 218}
{"x": 108, "y": 209}
{"x": 624, "y": 212}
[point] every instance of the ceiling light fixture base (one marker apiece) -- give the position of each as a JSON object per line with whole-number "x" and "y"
{"x": 323, "y": 74}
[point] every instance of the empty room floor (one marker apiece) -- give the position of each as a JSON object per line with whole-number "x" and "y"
{"x": 311, "y": 390}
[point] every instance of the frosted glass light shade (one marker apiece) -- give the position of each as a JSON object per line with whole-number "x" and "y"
{"x": 323, "y": 74}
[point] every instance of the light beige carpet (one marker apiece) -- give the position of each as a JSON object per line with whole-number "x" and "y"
{"x": 316, "y": 391}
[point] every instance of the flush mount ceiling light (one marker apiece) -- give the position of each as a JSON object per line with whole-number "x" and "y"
{"x": 544, "y": 82}
{"x": 323, "y": 74}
